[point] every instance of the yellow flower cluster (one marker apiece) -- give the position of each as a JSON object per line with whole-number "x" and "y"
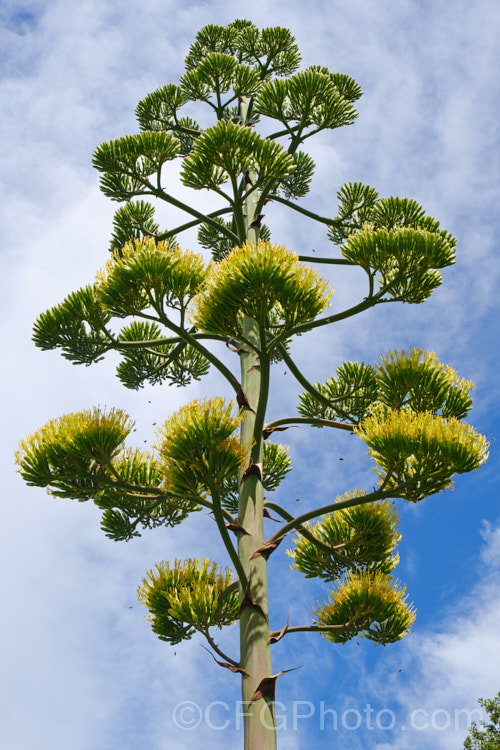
{"x": 255, "y": 280}
{"x": 198, "y": 448}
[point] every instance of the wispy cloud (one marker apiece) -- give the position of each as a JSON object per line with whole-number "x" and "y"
{"x": 450, "y": 665}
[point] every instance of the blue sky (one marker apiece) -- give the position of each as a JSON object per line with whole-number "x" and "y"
{"x": 81, "y": 666}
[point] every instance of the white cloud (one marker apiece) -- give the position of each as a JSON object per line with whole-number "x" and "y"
{"x": 491, "y": 551}
{"x": 450, "y": 666}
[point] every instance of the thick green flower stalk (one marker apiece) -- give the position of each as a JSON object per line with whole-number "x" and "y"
{"x": 161, "y": 308}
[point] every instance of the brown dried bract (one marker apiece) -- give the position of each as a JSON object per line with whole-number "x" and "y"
{"x": 254, "y": 470}
{"x": 268, "y": 548}
{"x": 276, "y": 638}
{"x": 233, "y": 667}
{"x": 236, "y": 528}
{"x": 267, "y": 686}
{"x": 242, "y": 400}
